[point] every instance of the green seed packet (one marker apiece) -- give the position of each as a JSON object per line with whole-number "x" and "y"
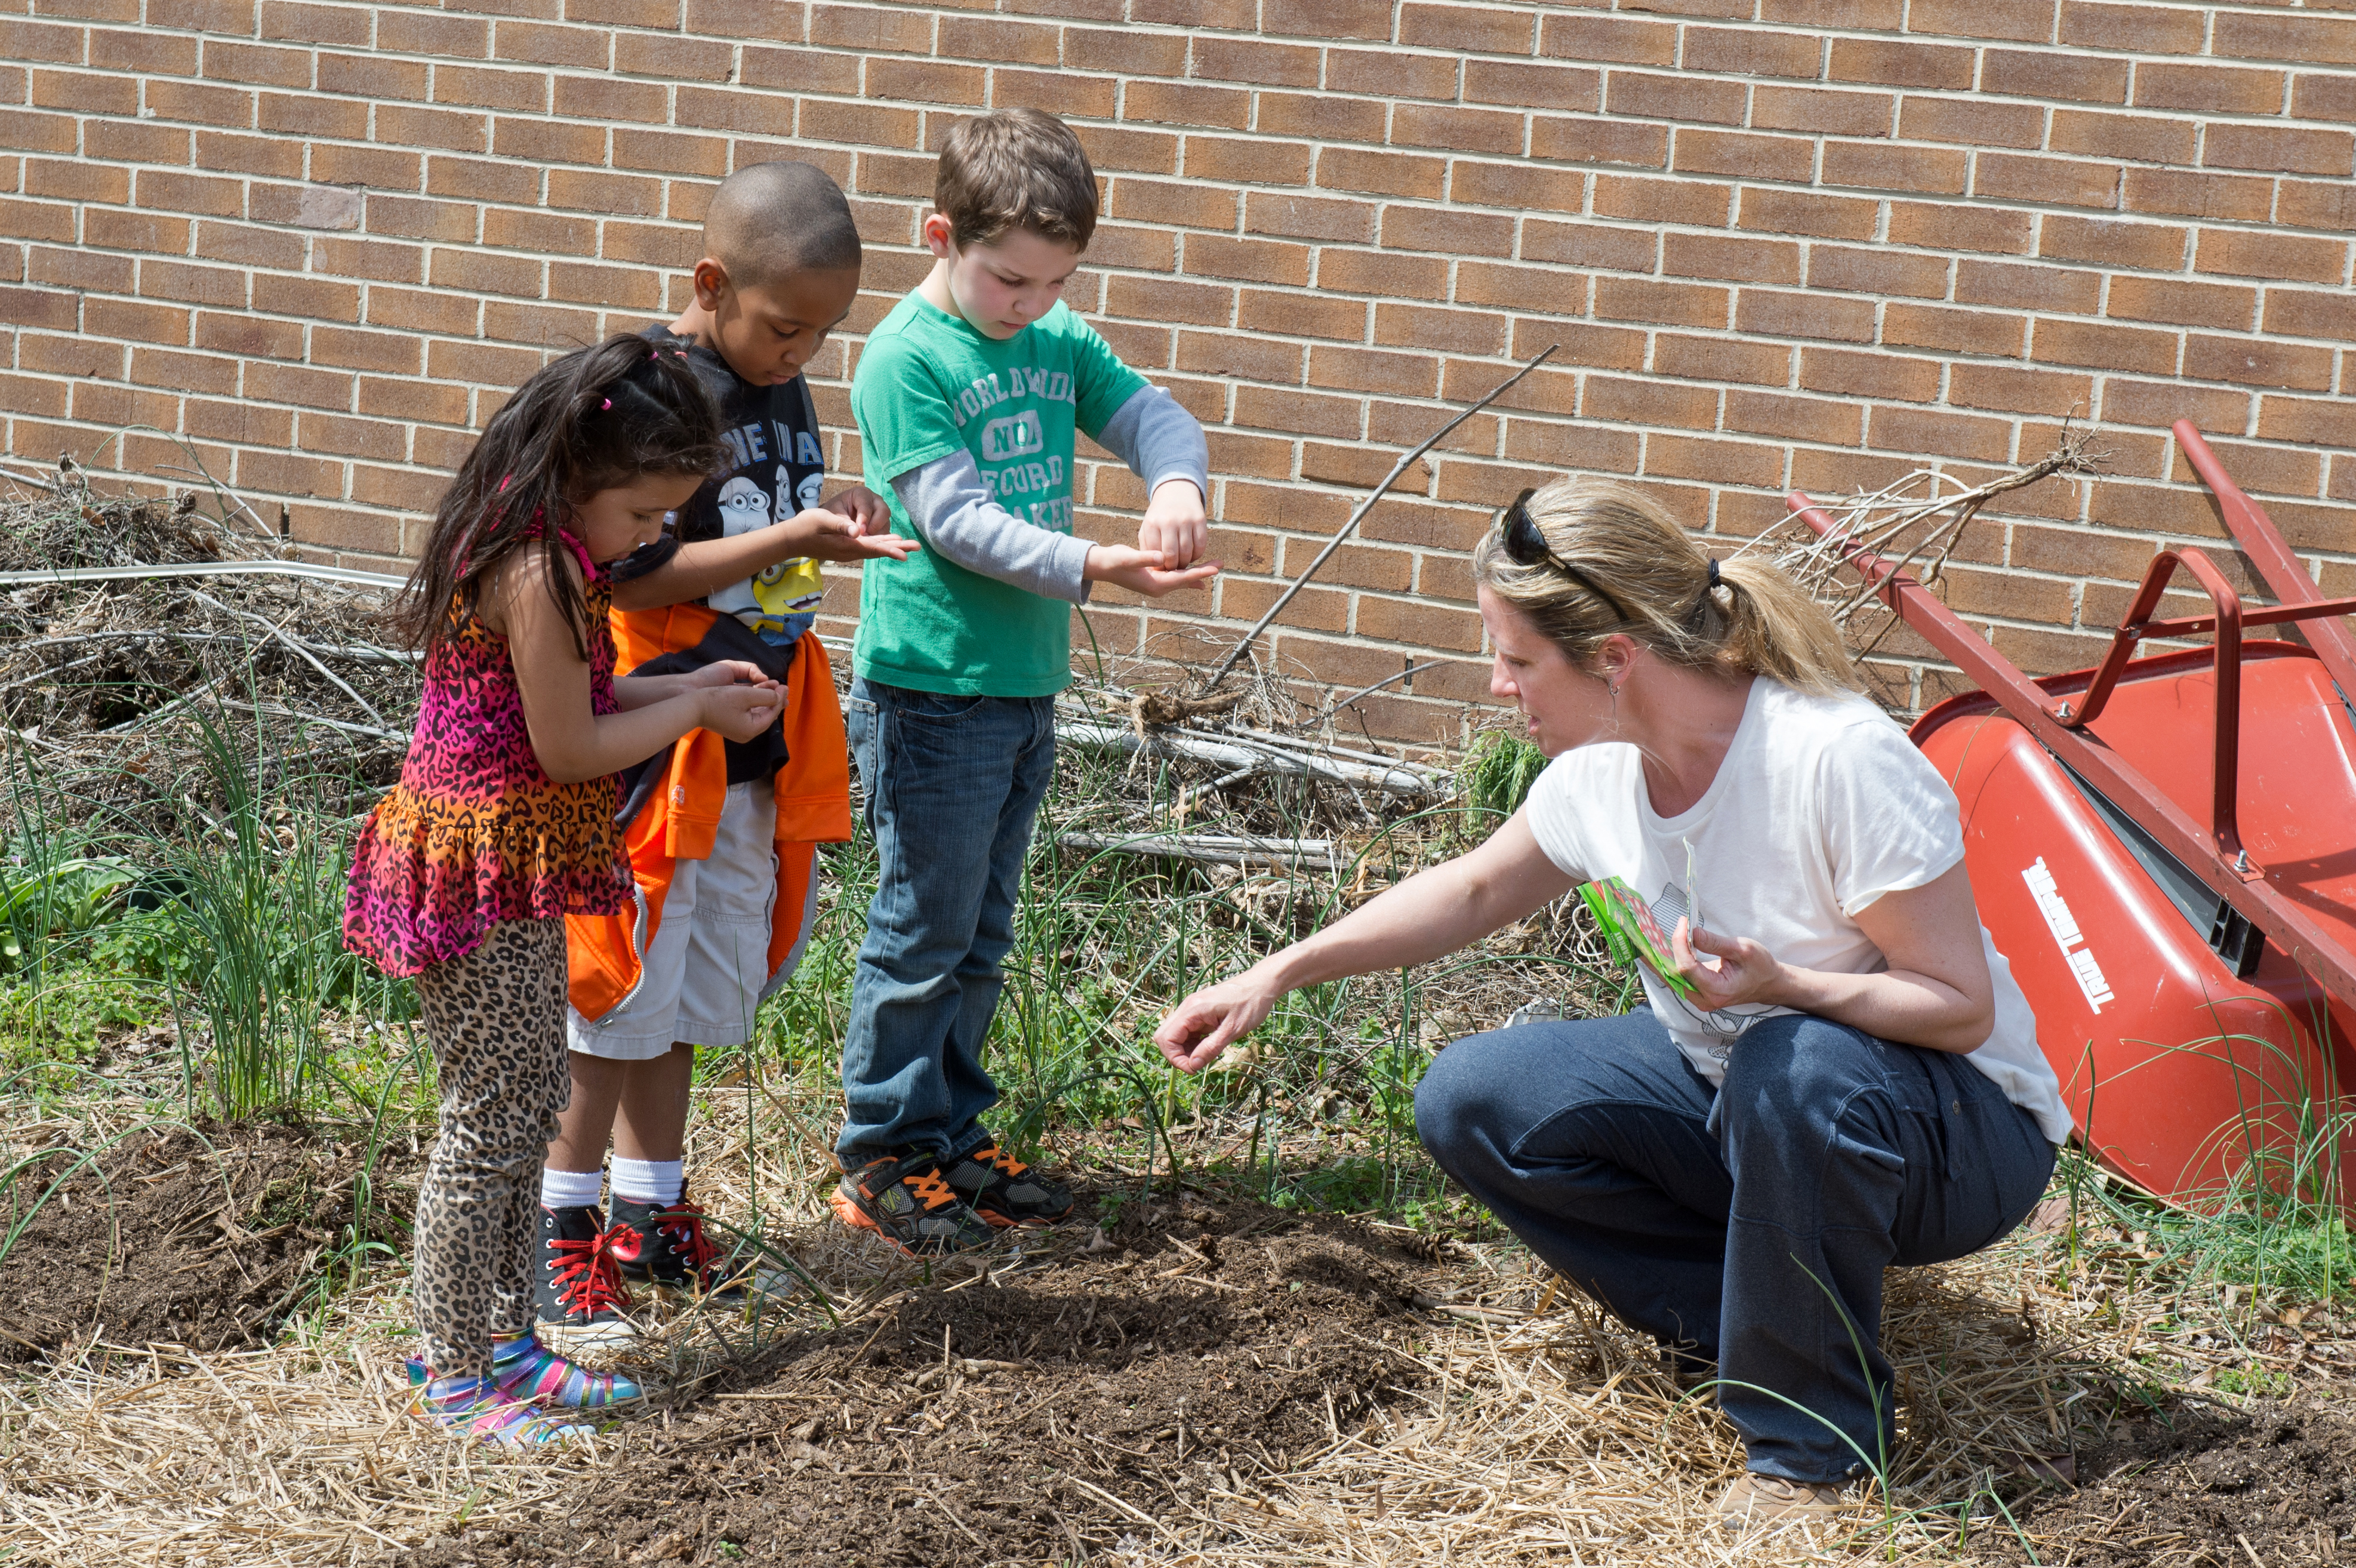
{"x": 1633, "y": 935}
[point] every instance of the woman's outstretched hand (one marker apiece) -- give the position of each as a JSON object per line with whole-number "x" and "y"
{"x": 1214, "y": 1017}
{"x": 1745, "y": 972}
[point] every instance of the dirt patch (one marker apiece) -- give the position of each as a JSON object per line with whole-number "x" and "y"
{"x": 2193, "y": 1488}
{"x": 1043, "y": 1412}
{"x": 202, "y": 1239}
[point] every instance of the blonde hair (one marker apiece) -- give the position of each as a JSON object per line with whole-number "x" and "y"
{"x": 1754, "y": 619}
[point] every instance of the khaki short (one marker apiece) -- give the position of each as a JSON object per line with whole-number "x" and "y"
{"x": 706, "y": 973}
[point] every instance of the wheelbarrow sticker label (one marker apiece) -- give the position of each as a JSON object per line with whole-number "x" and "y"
{"x": 2065, "y": 926}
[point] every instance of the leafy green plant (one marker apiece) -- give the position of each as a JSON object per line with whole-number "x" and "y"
{"x": 1497, "y": 775}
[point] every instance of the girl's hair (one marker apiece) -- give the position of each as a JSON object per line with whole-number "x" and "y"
{"x": 1754, "y": 619}
{"x": 597, "y": 417}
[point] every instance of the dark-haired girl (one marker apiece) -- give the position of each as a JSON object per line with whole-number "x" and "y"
{"x": 503, "y": 824}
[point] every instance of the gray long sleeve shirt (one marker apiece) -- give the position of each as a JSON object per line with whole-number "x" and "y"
{"x": 954, "y": 512}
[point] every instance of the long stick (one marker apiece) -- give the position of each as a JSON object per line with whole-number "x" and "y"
{"x": 1363, "y": 507}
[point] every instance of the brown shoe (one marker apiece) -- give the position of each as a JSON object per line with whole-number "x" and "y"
{"x": 1757, "y": 1501}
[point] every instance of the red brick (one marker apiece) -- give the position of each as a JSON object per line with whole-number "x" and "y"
{"x": 1892, "y": 63}
{"x": 2154, "y": 247}
{"x": 871, "y": 28}
{"x": 1327, "y": 19}
{"x": 1822, "y": 112}
{"x": 85, "y": 91}
{"x": 1796, "y": 212}
{"x": 1235, "y": 59}
{"x": 2229, "y": 198}
{"x": 1877, "y": 270}
{"x": 1586, "y": 36}
{"x": 2049, "y": 73}
{"x": 582, "y": 48}
{"x": 423, "y": 310}
{"x": 678, "y": 59}
{"x": 2162, "y": 403}
{"x": 482, "y": 179}
{"x": 1661, "y": 201}
{"x": 2146, "y": 136}
{"x": 206, "y": 103}
{"x": 2300, "y": 39}
{"x": 2024, "y": 21}
{"x": 130, "y": 321}
{"x": 110, "y": 230}
{"x": 1590, "y": 245}
{"x": 369, "y": 76}
{"x": 141, "y": 52}
{"x": 2256, "y": 254}
{"x": 1252, "y": 260}
{"x": 2317, "y": 421}
{"x": 1465, "y": 29}
{"x": 1309, "y": 217}
{"x": 411, "y": 399}
{"x": 1864, "y": 165}
{"x": 39, "y": 307}
{"x": 244, "y": 245}
{"x": 1789, "y": 419}
{"x": 2306, "y": 204}
{"x": 1460, "y": 130}
{"x": 1649, "y": 403}
{"x": 802, "y": 71}
{"x": 2297, "y": 313}
{"x": 34, "y": 395}
{"x": 2103, "y": 347}
{"x": 1730, "y": 257}
{"x": 1899, "y": 376}
{"x": 2224, "y": 89}
{"x": 28, "y": 41}
{"x": 2071, "y": 182}
{"x": 2148, "y": 29}
{"x": 2004, "y": 389}
{"x": 663, "y": 152}
{"x": 1245, "y": 160}
{"x": 1447, "y": 229}
{"x": 1961, "y": 331}
{"x": 2323, "y": 97}
{"x": 1533, "y": 86}
{"x": 1646, "y": 96}
{"x": 230, "y": 16}
{"x": 53, "y": 221}
{"x": 2279, "y": 149}
{"x": 1364, "y": 273}
{"x": 1977, "y": 122}
{"x": 378, "y": 167}
{"x": 123, "y": 142}
{"x": 1931, "y": 433}
{"x": 1231, "y": 16}
{"x": 480, "y": 272}
{"x": 1382, "y": 174}
{"x": 1168, "y": 300}
{"x": 1943, "y": 226}
{"x": 1671, "y": 304}
{"x": 759, "y": 113}
{"x": 1784, "y": 158}
{"x": 1570, "y": 140}
{"x": 192, "y": 284}
{"x": 1302, "y": 413}
{"x": 588, "y": 190}
{"x": 2254, "y": 362}
{"x": 1719, "y": 461}
{"x": 2183, "y": 303}
{"x": 1721, "y": 360}
{"x": 1542, "y": 290}
{"x": 1364, "y": 370}
{"x": 1521, "y": 186}
{"x": 1778, "y": 314}
{"x": 1320, "y": 116}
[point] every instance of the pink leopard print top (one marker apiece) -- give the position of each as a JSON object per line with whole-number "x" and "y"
{"x": 474, "y": 832}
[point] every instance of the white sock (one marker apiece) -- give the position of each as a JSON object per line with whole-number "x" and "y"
{"x": 569, "y": 1189}
{"x": 649, "y": 1181}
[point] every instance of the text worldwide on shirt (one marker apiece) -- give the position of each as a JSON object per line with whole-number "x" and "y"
{"x": 2064, "y": 927}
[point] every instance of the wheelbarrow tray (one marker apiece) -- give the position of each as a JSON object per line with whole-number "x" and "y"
{"x": 2177, "y": 897}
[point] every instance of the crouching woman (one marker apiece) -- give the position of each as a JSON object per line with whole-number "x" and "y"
{"x": 1852, "y": 1079}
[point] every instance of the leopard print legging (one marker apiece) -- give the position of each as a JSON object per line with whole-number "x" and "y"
{"x": 496, "y": 1019}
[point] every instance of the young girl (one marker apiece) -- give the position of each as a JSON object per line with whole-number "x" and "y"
{"x": 503, "y": 824}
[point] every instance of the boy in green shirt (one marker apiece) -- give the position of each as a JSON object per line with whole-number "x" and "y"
{"x": 967, "y": 396}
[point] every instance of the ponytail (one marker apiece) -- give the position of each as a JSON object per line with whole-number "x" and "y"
{"x": 1739, "y": 615}
{"x": 594, "y": 419}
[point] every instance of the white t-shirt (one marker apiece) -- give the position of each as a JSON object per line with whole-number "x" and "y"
{"x": 1821, "y": 806}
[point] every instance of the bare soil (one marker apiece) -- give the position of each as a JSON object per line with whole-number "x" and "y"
{"x": 1044, "y": 1412}
{"x": 202, "y": 1238}
{"x": 2202, "y": 1485}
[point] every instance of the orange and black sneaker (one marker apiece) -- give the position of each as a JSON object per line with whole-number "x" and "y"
{"x": 903, "y": 1199}
{"x": 1005, "y": 1191}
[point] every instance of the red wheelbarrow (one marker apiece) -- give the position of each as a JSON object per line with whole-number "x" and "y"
{"x": 2164, "y": 848}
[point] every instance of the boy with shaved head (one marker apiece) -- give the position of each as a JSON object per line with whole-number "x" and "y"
{"x": 721, "y": 835}
{"x": 969, "y": 397}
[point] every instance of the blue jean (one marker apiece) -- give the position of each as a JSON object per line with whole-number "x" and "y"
{"x": 953, "y": 783}
{"x": 1700, "y": 1217}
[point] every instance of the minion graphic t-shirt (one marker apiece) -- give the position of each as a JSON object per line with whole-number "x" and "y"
{"x": 777, "y": 469}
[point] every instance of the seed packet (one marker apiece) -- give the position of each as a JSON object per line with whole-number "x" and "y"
{"x": 1634, "y": 935}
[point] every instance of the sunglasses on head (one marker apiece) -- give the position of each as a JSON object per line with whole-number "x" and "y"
{"x": 1526, "y": 546}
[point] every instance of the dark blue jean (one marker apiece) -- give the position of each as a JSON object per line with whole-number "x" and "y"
{"x": 953, "y": 783}
{"x": 1750, "y": 1224}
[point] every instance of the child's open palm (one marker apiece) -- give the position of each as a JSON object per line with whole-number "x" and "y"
{"x": 1141, "y": 571}
{"x": 829, "y": 535}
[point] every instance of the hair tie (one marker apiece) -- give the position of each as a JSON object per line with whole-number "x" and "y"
{"x": 1713, "y": 571}
{"x": 609, "y": 403}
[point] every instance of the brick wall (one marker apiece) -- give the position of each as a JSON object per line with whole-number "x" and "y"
{"x": 1781, "y": 243}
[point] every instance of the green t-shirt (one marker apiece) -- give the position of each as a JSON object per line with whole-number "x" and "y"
{"x": 927, "y": 385}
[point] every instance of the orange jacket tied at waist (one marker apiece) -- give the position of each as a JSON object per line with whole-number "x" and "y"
{"x": 680, "y": 820}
